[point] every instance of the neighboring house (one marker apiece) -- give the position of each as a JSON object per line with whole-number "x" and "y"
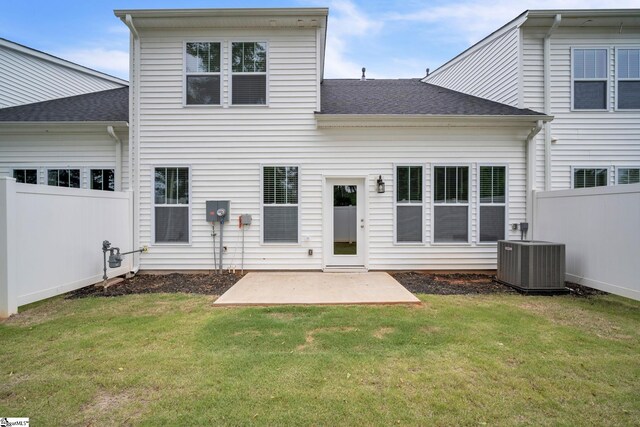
{"x": 231, "y": 104}
{"x": 580, "y": 66}
{"x": 79, "y": 141}
{"x": 28, "y": 75}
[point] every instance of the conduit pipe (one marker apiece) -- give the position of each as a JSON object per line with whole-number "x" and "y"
{"x": 531, "y": 171}
{"x": 118, "y": 168}
{"x": 547, "y": 100}
{"x": 134, "y": 132}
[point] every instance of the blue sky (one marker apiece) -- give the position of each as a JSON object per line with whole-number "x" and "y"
{"x": 396, "y": 38}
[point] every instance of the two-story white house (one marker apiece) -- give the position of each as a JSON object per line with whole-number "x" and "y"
{"x": 580, "y": 66}
{"x": 231, "y": 105}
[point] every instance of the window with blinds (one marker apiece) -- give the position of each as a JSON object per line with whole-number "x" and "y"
{"x": 628, "y": 78}
{"x": 64, "y": 177}
{"x": 451, "y": 204}
{"x": 280, "y": 204}
{"x": 590, "y": 73}
{"x": 493, "y": 189}
{"x": 202, "y": 73}
{"x": 102, "y": 179}
{"x": 26, "y": 176}
{"x": 171, "y": 205}
{"x": 409, "y": 204}
{"x": 590, "y": 177}
{"x": 628, "y": 175}
{"x": 248, "y": 73}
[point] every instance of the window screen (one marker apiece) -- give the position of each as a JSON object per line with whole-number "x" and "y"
{"x": 64, "y": 177}
{"x": 628, "y": 77}
{"x": 589, "y": 177}
{"x": 26, "y": 176}
{"x": 102, "y": 179}
{"x": 280, "y": 204}
{"x": 628, "y": 175}
{"x": 409, "y": 204}
{"x": 202, "y": 73}
{"x": 451, "y": 204}
{"x": 589, "y": 68}
{"x": 493, "y": 185}
{"x": 248, "y": 73}
{"x": 171, "y": 197}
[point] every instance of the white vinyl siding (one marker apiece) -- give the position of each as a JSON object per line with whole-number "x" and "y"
{"x": 490, "y": 71}
{"x": 25, "y": 79}
{"x": 44, "y": 147}
{"x": 583, "y": 138}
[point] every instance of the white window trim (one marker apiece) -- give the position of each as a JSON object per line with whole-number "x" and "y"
{"x": 102, "y": 168}
{"x": 50, "y": 168}
{"x": 434, "y": 204}
{"x": 607, "y": 79}
{"x": 573, "y": 169}
{"x": 25, "y": 168}
{"x": 153, "y": 205}
{"x": 396, "y": 204}
{"x": 505, "y": 204}
{"x": 615, "y": 72}
{"x": 262, "y": 73}
{"x": 616, "y": 172}
{"x": 262, "y": 204}
{"x": 185, "y": 74}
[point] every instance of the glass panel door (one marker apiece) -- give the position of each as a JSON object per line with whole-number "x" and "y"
{"x": 345, "y": 220}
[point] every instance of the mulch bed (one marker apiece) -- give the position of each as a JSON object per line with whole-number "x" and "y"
{"x": 467, "y": 283}
{"x": 207, "y": 284}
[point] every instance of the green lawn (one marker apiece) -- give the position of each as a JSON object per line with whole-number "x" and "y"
{"x": 456, "y": 360}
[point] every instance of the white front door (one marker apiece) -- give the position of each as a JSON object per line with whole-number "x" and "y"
{"x": 344, "y": 223}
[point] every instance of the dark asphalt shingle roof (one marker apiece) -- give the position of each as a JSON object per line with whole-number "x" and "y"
{"x": 105, "y": 106}
{"x": 406, "y": 96}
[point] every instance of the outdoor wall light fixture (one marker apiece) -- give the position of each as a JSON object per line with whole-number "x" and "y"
{"x": 380, "y": 185}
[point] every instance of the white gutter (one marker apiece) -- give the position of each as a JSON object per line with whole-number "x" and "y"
{"x": 530, "y": 148}
{"x": 134, "y": 134}
{"x": 547, "y": 100}
{"x": 118, "y": 168}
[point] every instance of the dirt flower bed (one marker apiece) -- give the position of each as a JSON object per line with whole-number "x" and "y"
{"x": 207, "y": 284}
{"x": 465, "y": 283}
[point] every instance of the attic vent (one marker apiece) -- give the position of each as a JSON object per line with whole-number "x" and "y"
{"x": 363, "y": 78}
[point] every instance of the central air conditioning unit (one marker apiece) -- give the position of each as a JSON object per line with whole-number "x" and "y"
{"x": 532, "y": 266}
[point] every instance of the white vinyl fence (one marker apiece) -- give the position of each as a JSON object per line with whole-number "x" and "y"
{"x": 51, "y": 239}
{"x": 601, "y": 230}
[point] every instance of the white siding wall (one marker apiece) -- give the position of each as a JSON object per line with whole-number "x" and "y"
{"x": 61, "y": 146}
{"x": 490, "y": 71}
{"x": 25, "y": 79}
{"x": 225, "y": 148}
{"x": 604, "y": 139}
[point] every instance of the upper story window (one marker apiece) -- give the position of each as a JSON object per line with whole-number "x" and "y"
{"x": 26, "y": 176}
{"x": 589, "y": 70}
{"x": 202, "y": 73}
{"x": 248, "y": 73}
{"x": 628, "y": 79}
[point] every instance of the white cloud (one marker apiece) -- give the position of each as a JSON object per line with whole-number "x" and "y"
{"x": 346, "y": 23}
{"x": 110, "y": 61}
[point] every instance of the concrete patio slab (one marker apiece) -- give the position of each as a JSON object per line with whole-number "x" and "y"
{"x": 302, "y": 288}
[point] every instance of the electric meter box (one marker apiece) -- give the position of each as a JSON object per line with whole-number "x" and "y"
{"x": 212, "y": 209}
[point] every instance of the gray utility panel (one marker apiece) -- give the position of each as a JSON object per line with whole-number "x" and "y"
{"x": 531, "y": 265}
{"x": 212, "y": 209}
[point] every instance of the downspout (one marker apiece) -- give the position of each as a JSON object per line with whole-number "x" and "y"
{"x": 134, "y": 134}
{"x": 118, "y": 168}
{"x": 547, "y": 101}
{"x": 531, "y": 171}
